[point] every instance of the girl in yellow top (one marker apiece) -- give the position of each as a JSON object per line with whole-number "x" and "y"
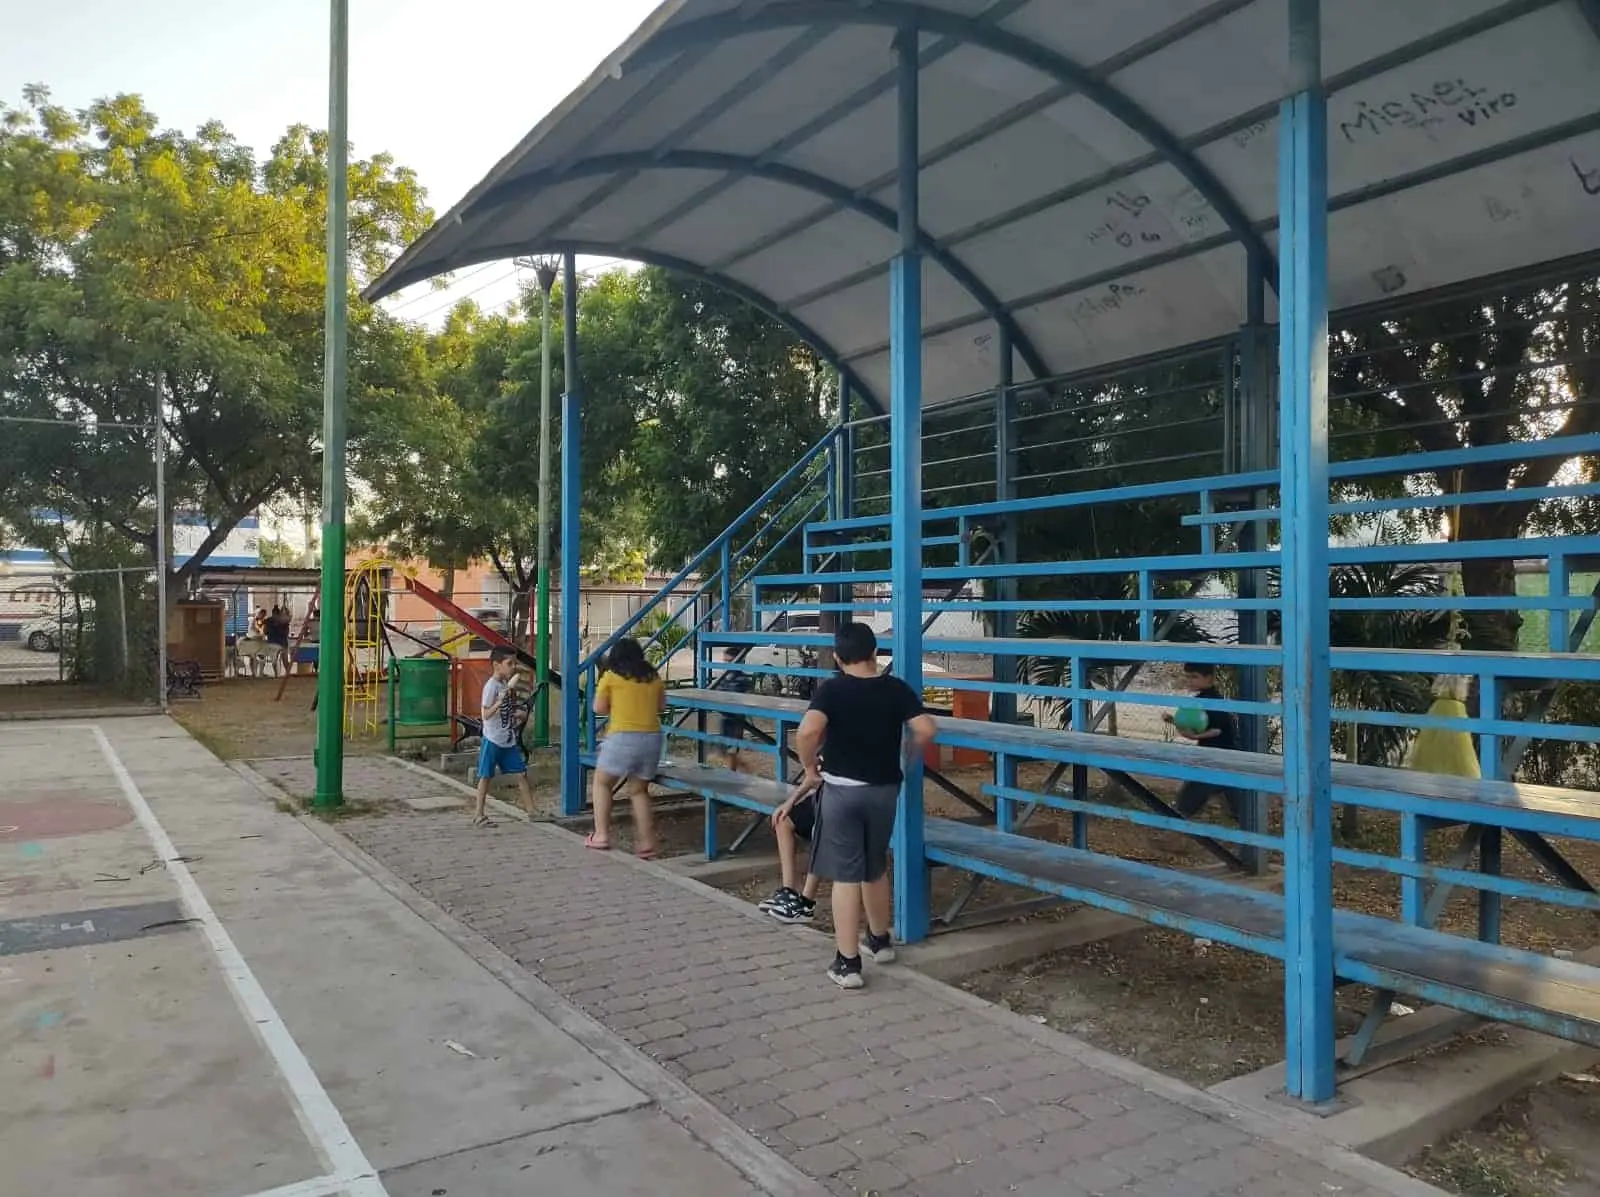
{"x": 632, "y": 693}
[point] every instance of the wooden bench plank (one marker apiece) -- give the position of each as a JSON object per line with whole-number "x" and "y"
{"x": 1557, "y": 996}
{"x": 1231, "y": 914}
{"x": 1537, "y": 805}
{"x": 737, "y": 789}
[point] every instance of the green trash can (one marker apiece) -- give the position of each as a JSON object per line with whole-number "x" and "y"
{"x": 422, "y": 692}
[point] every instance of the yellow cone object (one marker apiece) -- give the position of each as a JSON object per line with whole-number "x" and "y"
{"x": 1437, "y": 750}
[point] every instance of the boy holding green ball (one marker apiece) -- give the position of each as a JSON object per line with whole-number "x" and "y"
{"x": 1219, "y": 732}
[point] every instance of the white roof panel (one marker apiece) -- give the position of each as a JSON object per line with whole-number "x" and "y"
{"x": 1092, "y": 171}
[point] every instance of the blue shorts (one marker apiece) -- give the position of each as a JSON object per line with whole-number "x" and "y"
{"x": 493, "y": 758}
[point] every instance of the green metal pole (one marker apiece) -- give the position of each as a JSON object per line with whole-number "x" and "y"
{"x": 330, "y": 648}
{"x": 541, "y": 712}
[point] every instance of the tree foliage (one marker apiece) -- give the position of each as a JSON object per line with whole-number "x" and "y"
{"x": 134, "y": 257}
{"x": 692, "y": 403}
{"x": 1513, "y": 365}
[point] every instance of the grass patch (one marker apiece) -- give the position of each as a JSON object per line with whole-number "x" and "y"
{"x": 220, "y": 746}
{"x": 1473, "y": 1172}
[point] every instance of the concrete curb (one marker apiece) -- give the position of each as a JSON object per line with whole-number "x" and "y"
{"x": 1283, "y": 1131}
{"x": 769, "y": 1173}
{"x": 89, "y": 713}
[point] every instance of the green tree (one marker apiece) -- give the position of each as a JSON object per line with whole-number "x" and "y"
{"x": 132, "y": 256}
{"x": 1522, "y": 364}
{"x": 727, "y": 400}
{"x": 692, "y": 402}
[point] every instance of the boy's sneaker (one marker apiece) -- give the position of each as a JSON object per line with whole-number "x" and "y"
{"x": 846, "y": 974}
{"x": 878, "y": 948}
{"x": 794, "y": 909}
{"x": 780, "y": 897}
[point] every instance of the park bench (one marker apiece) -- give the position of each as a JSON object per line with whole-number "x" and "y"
{"x": 1481, "y": 978}
{"x": 184, "y": 679}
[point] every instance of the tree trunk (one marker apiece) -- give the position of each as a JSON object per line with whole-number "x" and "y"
{"x": 519, "y": 616}
{"x": 447, "y": 585}
{"x": 1492, "y": 631}
{"x": 1350, "y": 814}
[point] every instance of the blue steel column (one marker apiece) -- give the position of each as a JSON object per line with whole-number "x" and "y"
{"x": 1003, "y": 707}
{"x": 845, "y": 453}
{"x": 1254, "y": 450}
{"x": 572, "y": 698}
{"x": 911, "y": 898}
{"x": 1303, "y": 403}
{"x": 844, "y": 504}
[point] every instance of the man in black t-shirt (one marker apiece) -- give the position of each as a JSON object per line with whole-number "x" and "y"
{"x": 1220, "y": 732}
{"x": 850, "y": 744}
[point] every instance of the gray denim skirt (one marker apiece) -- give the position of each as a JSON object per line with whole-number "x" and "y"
{"x": 630, "y": 754}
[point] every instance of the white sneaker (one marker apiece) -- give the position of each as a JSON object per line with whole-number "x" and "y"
{"x": 879, "y": 951}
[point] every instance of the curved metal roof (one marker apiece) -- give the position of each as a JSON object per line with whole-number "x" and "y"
{"x": 1095, "y": 175}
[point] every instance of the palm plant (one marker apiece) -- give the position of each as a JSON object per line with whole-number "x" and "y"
{"x": 1107, "y": 623}
{"x": 1379, "y": 690}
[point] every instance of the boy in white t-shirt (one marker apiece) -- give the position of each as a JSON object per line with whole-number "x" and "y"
{"x": 500, "y": 751}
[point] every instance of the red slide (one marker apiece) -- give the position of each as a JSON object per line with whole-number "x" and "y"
{"x": 476, "y": 626}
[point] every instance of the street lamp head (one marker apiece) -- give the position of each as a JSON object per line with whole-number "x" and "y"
{"x": 544, "y": 269}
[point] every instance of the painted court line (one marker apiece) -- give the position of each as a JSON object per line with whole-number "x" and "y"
{"x": 321, "y": 1186}
{"x": 352, "y": 1172}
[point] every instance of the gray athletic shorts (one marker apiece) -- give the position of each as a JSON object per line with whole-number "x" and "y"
{"x": 630, "y": 754}
{"x": 851, "y": 840}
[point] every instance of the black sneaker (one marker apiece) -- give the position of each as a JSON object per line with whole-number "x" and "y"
{"x": 794, "y": 909}
{"x": 781, "y": 896}
{"x": 878, "y": 948}
{"x": 846, "y": 974}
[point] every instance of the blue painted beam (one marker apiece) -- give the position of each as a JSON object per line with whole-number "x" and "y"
{"x": 1303, "y": 450}
{"x": 790, "y": 176}
{"x": 761, "y": 303}
{"x": 1582, "y": 445}
{"x": 1003, "y": 706}
{"x": 845, "y": 500}
{"x": 1473, "y": 25}
{"x": 1476, "y": 498}
{"x": 845, "y": 107}
{"x": 1580, "y": 126}
{"x": 757, "y": 74}
{"x": 1590, "y": 9}
{"x": 898, "y": 15}
{"x": 912, "y": 897}
{"x": 573, "y": 697}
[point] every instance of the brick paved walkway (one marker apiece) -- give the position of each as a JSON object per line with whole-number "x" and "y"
{"x": 909, "y": 1087}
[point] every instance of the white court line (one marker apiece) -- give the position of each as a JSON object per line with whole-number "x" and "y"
{"x": 351, "y": 1170}
{"x": 321, "y": 1186}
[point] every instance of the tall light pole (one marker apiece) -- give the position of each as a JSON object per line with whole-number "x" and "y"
{"x": 545, "y": 269}
{"x": 160, "y": 426}
{"x": 330, "y": 647}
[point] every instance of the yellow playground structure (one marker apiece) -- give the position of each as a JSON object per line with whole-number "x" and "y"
{"x": 364, "y": 599}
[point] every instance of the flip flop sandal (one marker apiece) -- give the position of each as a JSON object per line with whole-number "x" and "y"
{"x": 590, "y": 842}
{"x": 648, "y": 853}
{"x": 483, "y": 821}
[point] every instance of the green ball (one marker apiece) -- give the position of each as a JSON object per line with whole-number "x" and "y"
{"x": 1190, "y": 719}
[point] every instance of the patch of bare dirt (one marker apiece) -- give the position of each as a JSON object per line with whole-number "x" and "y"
{"x": 1545, "y": 1143}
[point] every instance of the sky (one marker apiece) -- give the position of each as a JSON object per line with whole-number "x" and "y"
{"x": 446, "y": 86}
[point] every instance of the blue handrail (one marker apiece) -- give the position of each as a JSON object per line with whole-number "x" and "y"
{"x": 715, "y": 546}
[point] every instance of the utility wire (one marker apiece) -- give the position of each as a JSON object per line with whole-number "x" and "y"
{"x": 450, "y": 301}
{"x": 434, "y": 293}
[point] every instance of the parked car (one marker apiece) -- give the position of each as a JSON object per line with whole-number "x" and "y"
{"x": 44, "y": 633}
{"x": 786, "y": 657}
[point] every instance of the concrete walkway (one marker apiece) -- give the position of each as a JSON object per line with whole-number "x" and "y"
{"x": 908, "y": 1087}
{"x": 201, "y": 995}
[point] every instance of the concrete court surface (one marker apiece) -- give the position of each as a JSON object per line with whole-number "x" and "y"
{"x": 199, "y": 996}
